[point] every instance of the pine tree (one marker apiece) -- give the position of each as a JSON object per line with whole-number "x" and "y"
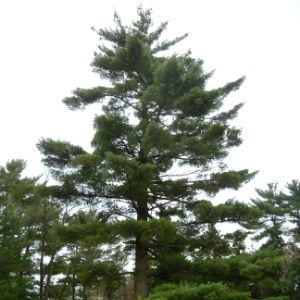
{"x": 87, "y": 265}
{"x": 292, "y": 250}
{"x": 274, "y": 207}
{"x": 16, "y": 267}
{"x": 42, "y": 217}
{"x": 293, "y": 210}
{"x": 160, "y": 138}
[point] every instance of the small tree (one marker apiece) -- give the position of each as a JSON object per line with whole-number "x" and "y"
{"x": 16, "y": 267}
{"x": 274, "y": 207}
{"x": 293, "y": 210}
{"x": 160, "y": 138}
{"x": 89, "y": 262}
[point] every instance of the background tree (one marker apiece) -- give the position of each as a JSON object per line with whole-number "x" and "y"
{"x": 42, "y": 217}
{"x": 91, "y": 261}
{"x": 157, "y": 121}
{"x": 292, "y": 197}
{"x": 292, "y": 251}
{"x": 272, "y": 223}
{"x": 16, "y": 253}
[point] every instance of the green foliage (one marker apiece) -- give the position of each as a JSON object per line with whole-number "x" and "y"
{"x": 277, "y": 298}
{"x": 274, "y": 208}
{"x": 61, "y": 152}
{"x": 90, "y": 257}
{"x": 230, "y": 211}
{"x": 16, "y": 193}
{"x": 264, "y": 271}
{"x": 293, "y": 207}
{"x": 212, "y": 291}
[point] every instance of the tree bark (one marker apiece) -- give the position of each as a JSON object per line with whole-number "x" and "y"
{"x": 41, "y": 292}
{"x": 49, "y": 275}
{"x": 141, "y": 275}
{"x": 73, "y": 286}
{"x": 42, "y": 247}
{"x": 141, "y": 271}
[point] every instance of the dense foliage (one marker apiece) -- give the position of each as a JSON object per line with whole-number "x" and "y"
{"x": 144, "y": 195}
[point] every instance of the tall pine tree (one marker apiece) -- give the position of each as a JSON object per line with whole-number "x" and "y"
{"x": 160, "y": 138}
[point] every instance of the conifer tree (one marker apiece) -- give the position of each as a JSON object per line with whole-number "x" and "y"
{"x": 160, "y": 138}
{"x": 16, "y": 266}
{"x": 293, "y": 207}
{"x": 87, "y": 265}
{"x": 274, "y": 207}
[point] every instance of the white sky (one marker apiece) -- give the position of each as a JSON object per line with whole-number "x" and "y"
{"x": 46, "y": 48}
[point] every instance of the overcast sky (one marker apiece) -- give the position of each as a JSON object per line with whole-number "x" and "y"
{"x": 47, "y": 46}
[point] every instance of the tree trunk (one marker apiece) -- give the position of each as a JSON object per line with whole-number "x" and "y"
{"x": 42, "y": 247}
{"x": 49, "y": 275}
{"x": 141, "y": 270}
{"x": 141, "y": 274}
{"x": 73, "y": 286}
{"x": 41, "y": 292}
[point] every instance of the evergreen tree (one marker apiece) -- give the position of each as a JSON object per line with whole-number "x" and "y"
{"x": 157, "y": 121}
{"x": 28, "y": 243}
{"x": 274, "y": 207}
{"x": 42, "y": 217}
{"x": 293, "y": 203}
{"x": 262, "y": 273}
{"x": 16, "y": 267}
{"x": 292, "y": 250}
{"x": 90, "y": 260}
